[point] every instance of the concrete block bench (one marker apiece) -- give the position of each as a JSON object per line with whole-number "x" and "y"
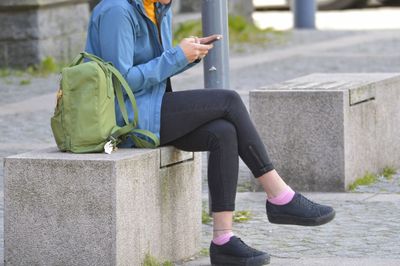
{"x": 324, "y": 131}
{"x": 99, "y": 209}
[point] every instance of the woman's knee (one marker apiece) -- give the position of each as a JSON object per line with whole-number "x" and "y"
{"x": 232, "y": 95}
{"x": 235, "y": 103}
{"x": 223, "y": 133}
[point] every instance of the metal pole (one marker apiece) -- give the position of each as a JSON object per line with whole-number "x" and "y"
{"x": 304, "y": 13}
{"x": 216, "y": 63}
{"x": 214, "y": 17}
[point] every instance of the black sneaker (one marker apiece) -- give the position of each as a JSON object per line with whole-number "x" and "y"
{"x": 300, "y": 211}
{"x": 236, "y": 252}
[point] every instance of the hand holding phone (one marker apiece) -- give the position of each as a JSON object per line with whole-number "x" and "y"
{"x": 196, "y": 48}
{"x": 210, "y": 39}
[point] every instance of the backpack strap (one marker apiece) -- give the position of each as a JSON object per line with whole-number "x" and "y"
{"x": 139, "y": 142}
{"x": 79, "y": 58}
{"x": 142, "y": 142}
{"x": 118, "y": 81}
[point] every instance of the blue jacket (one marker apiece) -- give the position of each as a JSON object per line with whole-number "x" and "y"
{"x": 120, "y": 32}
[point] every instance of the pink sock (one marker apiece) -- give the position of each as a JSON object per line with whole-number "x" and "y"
{"x": 283, "y": 198}
{"x": 222, "y": 239}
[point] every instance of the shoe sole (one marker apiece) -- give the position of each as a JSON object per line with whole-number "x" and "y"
{"x": 294, "y": 220}
{"x": 224, "y": 260}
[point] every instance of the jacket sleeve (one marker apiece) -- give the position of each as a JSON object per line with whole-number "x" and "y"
{"x": 190, "y": 65}
{"x": 117, "y": 45}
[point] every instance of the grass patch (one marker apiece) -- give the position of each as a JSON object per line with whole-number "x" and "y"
{"x": 5, "y": 72}
{"x": 388, "y": 172}
{"x": 205, "y": 217}
{"x": 23, "y": 82}
{"x": 240, "y": 31}
{"x": 186, "y": 29}
{"x": 245, "y": 187}
{"x": 48, "y": 66}
{"x": 238, "y": 216}
{"x": 241, "y": 216}
{"x": 205, "y": 252}
{"x": 152, "y": 261}
{"x": 366, "y": 180}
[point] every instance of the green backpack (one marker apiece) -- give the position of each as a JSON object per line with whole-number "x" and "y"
{"x": 84, "y": 118}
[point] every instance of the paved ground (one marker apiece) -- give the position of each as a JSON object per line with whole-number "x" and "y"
{"x": 366, "y": 229}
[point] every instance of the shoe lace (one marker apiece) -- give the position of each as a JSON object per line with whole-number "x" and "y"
{"x": 246, "y": 247}
{"x": 308, "y": 204}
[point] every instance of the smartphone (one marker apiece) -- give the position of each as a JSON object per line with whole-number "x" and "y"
{"x": 210, "y": 39}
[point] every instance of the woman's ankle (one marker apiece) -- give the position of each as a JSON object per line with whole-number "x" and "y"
{"x": 222, "y": 223}
{"x": 283, "y": 198}
{"x": 272, "y": 183}
{"x": 222, "y": 239}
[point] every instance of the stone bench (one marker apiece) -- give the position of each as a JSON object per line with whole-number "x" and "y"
{"x": 98, "y": 209}
{"x": 323, "y": 131}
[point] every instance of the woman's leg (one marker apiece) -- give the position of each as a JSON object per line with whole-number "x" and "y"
{"x": 217, "y": 120}
{"x": 219, "y": 137}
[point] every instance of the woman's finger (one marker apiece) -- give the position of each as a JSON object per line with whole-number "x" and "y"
{"x": 203, "y": 47}
{"x": 191, "y": 39}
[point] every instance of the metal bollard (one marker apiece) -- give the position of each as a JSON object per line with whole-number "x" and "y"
{"x": 216, "y": 63}
{"x": 304, "y": 13}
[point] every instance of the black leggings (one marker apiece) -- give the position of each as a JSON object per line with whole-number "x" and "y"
{"x": 217, "y": 121}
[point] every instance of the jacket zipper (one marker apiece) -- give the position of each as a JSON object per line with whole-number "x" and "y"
{"x": 157, "y": 27}
{"x": 160, "y": 17}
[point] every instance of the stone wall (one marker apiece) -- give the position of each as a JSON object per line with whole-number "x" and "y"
{"x": 35, "y": 29}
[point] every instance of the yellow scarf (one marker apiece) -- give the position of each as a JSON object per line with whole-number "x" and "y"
{"x": 150, "y": 9}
